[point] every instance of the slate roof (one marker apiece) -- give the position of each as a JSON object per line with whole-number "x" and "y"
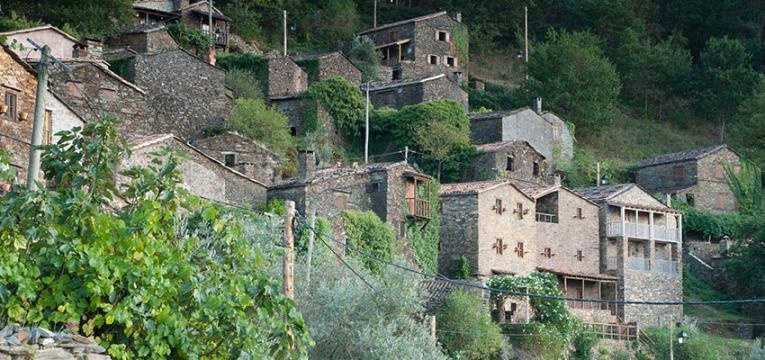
{"x": 496, "y": 114}
{"x": 490, "y": 147}
{"x": 470, "y": 187}
{"x": 694, "y": 154}
{"x": 436, "y": 293}
{"x": 534, "y": 190}
{"x": 600, "y": 194}
{"x": 377, "y": 86}
{"x": 335, "y": 172}
{"x": 398, "y": 23}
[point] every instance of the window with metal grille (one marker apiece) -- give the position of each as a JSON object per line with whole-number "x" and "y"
{"x": 519, "y": 210}
{"x": 498, "y": 206}
{"x": 499, "y": 246}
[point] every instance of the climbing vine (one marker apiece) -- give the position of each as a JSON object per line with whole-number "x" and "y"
{"x": 461, "y": 43}
{"x": 257, "y": 65}
{"x": 342, "y": 101}
{"x": 189, "y": 38}
{"x": 366, "y": 232}
{"x": 425, "y": 238}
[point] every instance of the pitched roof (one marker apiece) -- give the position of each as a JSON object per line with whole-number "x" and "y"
{"x": 104, "y": 66}
{"x": 44, "y": 27}
{"x": 335, "y": 172}
{"x": 436, "y": 293}
{"x": 603, "y": 193}
{"x": 18, "y": 60}
{"x": 536, "y": 191}
{"x": 694, "y": 154}
{"x": 166, "y": 6}
{"x": 490, "y": 147}
{"x": 378, "y": 86}
{"x": 496, "y": 114}
{"x": 402, "y": 22}
{"x": 476, "y": 187}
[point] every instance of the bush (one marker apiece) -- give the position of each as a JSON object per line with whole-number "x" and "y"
{"x": 700, "y": 346}
{"x": 148, "y": 280}
{"x": 343, "y": 102}
{"x": 425, "y": 238}
{"x": 257, "y": 65}
{"x": 189, "y": 38}
{"x": 364, "y": 55}
{"x": 259, "y": 122}
{"x": 366, "y": 232}
{"x": 465, "y": 329}
{"x": 244, "y": 83}
{"x": 583, "y": 344}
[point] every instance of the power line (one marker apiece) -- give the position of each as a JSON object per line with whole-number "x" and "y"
{"x": 530, "y": 295}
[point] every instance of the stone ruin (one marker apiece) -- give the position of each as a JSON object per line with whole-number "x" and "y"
{"x": 23, "y": 343}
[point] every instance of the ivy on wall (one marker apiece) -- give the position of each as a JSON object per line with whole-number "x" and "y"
{"x": 343, "y": 102}
{"x": 461, "y": 43}
{"x": 311, "y": 67}
{"x": 257, "y": 65}
{"x": 424, "y": 239}
{"x": 366, "y": 232}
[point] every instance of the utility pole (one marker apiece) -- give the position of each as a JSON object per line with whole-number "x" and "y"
{"x": 39, "y": 119}
{"x": 526, "y": 38}
{"x": 366, "y": 130}
{"x": 406, "y": 154}
{"x": 311, "y": 235}
{"x": 285, "y": 32}
{"x": 374, "y": 22}
{"x": 597, "y": 174}
{"x": 289, "y": 249}
{"x": 671, "y": 351}
{"x": 210, "y": 20}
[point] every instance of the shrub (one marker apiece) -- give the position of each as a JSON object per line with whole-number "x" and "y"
{"x": 343, "y": 102}
{"x": 425, "y": 238}
{"x": 583, "y": 344}
{"x": 257, "y": 65}
{"x": 462, "y": 268}
{"x": 244, "y": 83}
{"x": 189, "y": 38}
{"x": 465, "y": 329}
{"x": 364, "y": 55}
{"x": 148, "y": 280}
{"x": 366, "y": 232}
{"x": 266, "y": 125}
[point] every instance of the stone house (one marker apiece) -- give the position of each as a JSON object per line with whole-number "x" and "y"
{"x": 18, "y": 84}
{"x": 514, "y": 159}
{"x": 202, "y": 175}
{"x": 422, "y": 47}
{"x": 143, "y": 39}
{"x": 91, "y": 90}
{"x": 243, "y": 155}
{"x": 544, "y": 131}
{"x": 400, "y": 93}
{"x": 641, "y": 244}
{"x": 393, "y": 191}
{"x": 62, "y": 45}
{"x": 696, "y": 176}
{"x": 194, "y": 15}
{"x": 325, "y": 66}
{"x": 568, "y": 245}
{"x": 286, "y": 79}
{"x": 490, "y": 223}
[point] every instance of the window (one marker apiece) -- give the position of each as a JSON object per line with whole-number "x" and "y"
{"x": 373, "y": 188}
{"x": 442, "y": 35}
{"x": 293, "y": 131}
{"x": 11, "y": 102}
{"x": 579, "y": 255}
{"x": 391, "y": 36}
{"x": 396, "y": 74}
{"x": 433, "y": 59}
{"x": 579, "y": 213}
{"x": 679, "y": 173}
{"x": 229, "y": 159}
{"x": 47, "y": 127}
{"x": 509, "y": 166}
{"x": 519, "y": 249}
{"x": 690, "y": 199}
{"x": 450, "y": 61}
{"x": 547, "y": 253}
{"x": 536, "y": 168}
{"x": 519, "y": 210}
{"x": 498, "y": 206}
{"x": 499, "y": 247}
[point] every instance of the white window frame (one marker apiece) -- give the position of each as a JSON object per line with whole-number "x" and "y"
{"x": 431, "y": 57}
{"x": 446, "y": 61}
{"x": 438, "y": 32}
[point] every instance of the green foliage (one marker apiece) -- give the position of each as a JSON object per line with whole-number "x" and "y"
{"x": 273, "y": 206}
{"x": 122, "y": 67}
{"x": 571, "y": 73}
{"x": 343, "y": 102}
{"x": 494, "y": 97}
{"x": 364, "y": 55}
{"x": 245, "y": 19}
{"x": 189, "y": 38}
{"x": 351, "y": 320}
{"x": 17, "y": 22}
{"x": 583, "y": 344}
{"x": 548, "y": 311}
{"x": 696, "y": 289}
{"x": 440, "y": 140}
{"x": 7, "y": 173}
{"x": 700, "y": 346}
{"x": 311, "y": 67}
{"x": 748, "y": 129}
{"x": 465, "y": 329}
{"x": 254, "y": 64}
{"x": 366, "y": 232}
{"x": 712, "y": 224}
{"x": 426, "y": 237}
{"x": 462, "y": 269}
{"x": 165, "y": 276}
{"x": 88, "y": 18}
{"x": 259, "y": 122}
{"x": 746, "y": 186}
{"x": 244, "y": 83}
{"x": 461, "y": 43}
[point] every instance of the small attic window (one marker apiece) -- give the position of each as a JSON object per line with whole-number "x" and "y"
{"x": 536, "y": 168}
{"x": 509, "y": 166}
{"x": 229, "y": 159}
{"x": 442, "y": 35}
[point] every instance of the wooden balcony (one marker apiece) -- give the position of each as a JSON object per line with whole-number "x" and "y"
{"x": 418, "y": 208}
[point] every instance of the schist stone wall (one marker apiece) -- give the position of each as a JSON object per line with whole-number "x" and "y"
{"x": 202, "y": 175}
{"x": 639, "y": 285}
{"x": 329, "y": 65}
{"x": 546, "y": 133}
{"x": 285, "y": 78}
{"x": 459, "y": 233}
{"x": 189, "y": 92}
{"x": 92, "y": 90}
{"x": 399, "y": 94}
{"x": 145, "y": 40}
{"x": 575, "y": 233}
{"x": 243, "y": 155}
{"x": 17, "y": 83}
{"x": 526, "y": 164}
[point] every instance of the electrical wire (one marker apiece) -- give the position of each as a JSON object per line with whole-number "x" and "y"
{"x": 531, "y": 295}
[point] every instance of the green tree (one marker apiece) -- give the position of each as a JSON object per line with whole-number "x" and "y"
{"x": 264, "y": 124}
{"x": 725, "y": 78}
{"x": 465, "y": 329}
{"x": 366, "y": 232}
{"x": 244, "y": 83}
{"x": 343, "y": 102}
{"x": 148, "y": 279}
{"x": 748, "y": 129}
{"x": 91, "y": 18}
{"x": 189, "y": 38}
{"x": 365, "y": 56}
{"x": 441, "y": 141}
{"x": 571, "y": 74}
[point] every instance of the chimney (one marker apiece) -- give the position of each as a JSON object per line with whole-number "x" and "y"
{"x": 538, "y": 105}
{"x": 307, "y": 164}
{"x": 90, "y": 49}
{"x": 667, "y": 199}
{"x": 459, "y": 17}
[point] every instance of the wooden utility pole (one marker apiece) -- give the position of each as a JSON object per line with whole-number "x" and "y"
{"x": 526, "y": 38}
{"x": 433, "y": 326}
{"x": 39, "y": 119}
{"x": 671, "y": 351}
{"x": 311, "y": 235}
{"x": 374, "y": 22}
{"x": 289, "y": 249}
{"x": 285, "y": 32}
{"x": 366, "y": 128}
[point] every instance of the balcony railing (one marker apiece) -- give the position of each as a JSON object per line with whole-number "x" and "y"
{"x": 643, "y": 231}
{"x": 548, "y": 218}
{"x": 639, "y": 263}
{"x": 666, "y": 267}
{"x": 419, "y": 208}
{"x": 218, "y": 38}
